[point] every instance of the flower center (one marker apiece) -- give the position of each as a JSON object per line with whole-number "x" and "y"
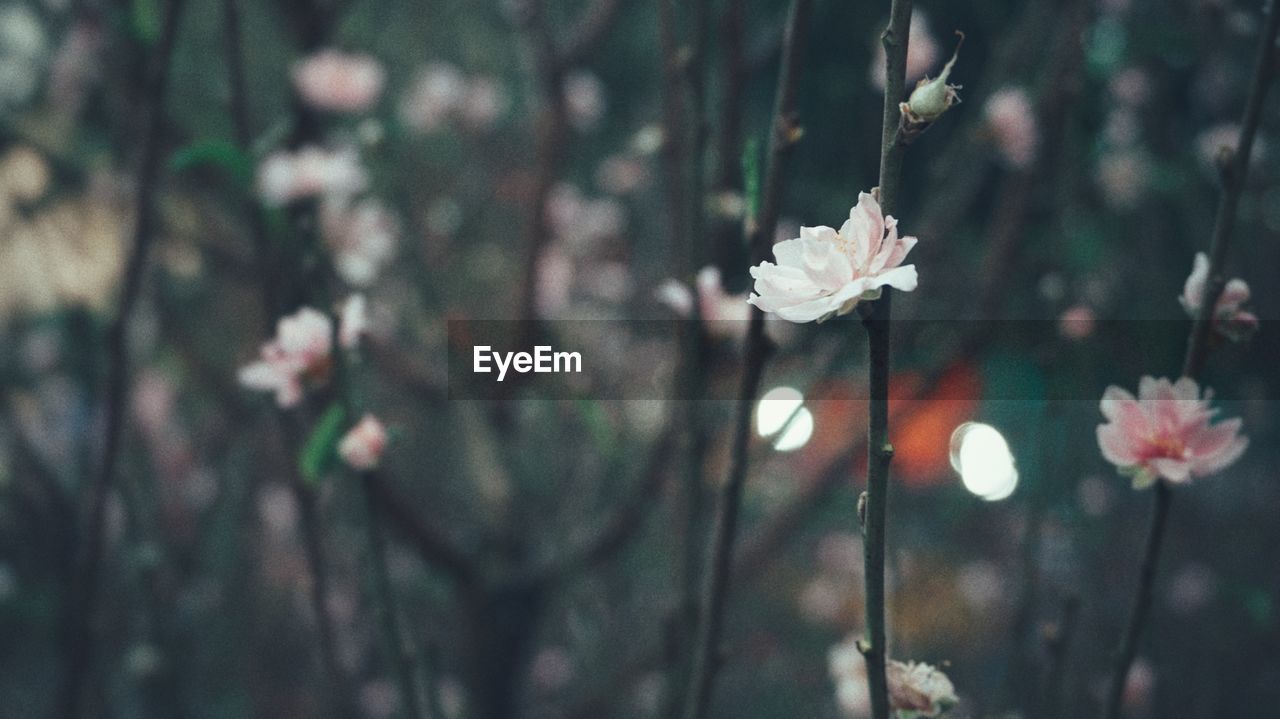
{"x": 1163, "y": 445}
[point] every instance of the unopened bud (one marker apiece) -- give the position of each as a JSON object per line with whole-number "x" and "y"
{"x": 931, "y": 98}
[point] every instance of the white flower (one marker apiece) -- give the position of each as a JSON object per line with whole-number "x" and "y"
{"x": 362, "y": 447}
{"x": 920, "y": 688}
{"x": 824, "y": 273}
{"x": 285, "y": 177}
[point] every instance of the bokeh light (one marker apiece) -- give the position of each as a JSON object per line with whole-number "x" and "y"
{"x": 980, "y": 454}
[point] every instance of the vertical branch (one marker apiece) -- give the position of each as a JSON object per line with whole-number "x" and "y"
{"x": 399, "y": 651}
{"x": 785, "y": 133}
{"x": 1199, "y": 342}
{"x": 312, "y": 26}
{"x": 876, "y": 321}
{"x": 85, "y": 580}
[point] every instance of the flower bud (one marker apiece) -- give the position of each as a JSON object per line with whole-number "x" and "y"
{"x": 931, "y": 98}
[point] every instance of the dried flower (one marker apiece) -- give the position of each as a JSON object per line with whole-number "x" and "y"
{"x": 1228, "y": 319}
{"x": 334, "y": 80}
{"x": 824, "y": 273}
{"x": 916, "y": 689}
{"x": 1165, "y": 432}
{"x": 362, "y": 446}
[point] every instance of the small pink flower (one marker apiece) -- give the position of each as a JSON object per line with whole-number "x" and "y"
{"x": 584, "y": 96}
{"x": 1013, "y": 122}
{"x": 333, "y": 80}
{"x": 362, "y": 447}
{"x": 299, "y": 353}
{"x": 1166, "y": 433}
{"x": 725, "y": 314}
{"x": 824, "y": 273}
{"x": 436, "y": 94}
{"x": 362, "y": 237}
{"x": 285, "y": 177}
{"x": 1077, "y": 322}
{"x": 1228, "y": 319}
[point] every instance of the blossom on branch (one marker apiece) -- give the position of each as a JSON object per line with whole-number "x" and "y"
{"x": 824, "y": 272}
{"x": 916, "y": 689}
{"x": 362, "y": 446}
{"x": 333, "y": 80}
{"x": 285, "y": 177}
{"x": 299, "y": 354}
{"x": 1228, "y": 319}
{"x": 1165, "y": 433}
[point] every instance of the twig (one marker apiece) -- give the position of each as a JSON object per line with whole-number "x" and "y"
{"x": 720, "y": 557}
{"x": 1198, "y": 344}
{"x": 398, "y": 649}
{"x": 81, "y": 603}
{"x": 876, "y": 322}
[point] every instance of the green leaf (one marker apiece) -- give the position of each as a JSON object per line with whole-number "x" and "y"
{"x": 320, "y": 453}
{"x": 222, "y": 154}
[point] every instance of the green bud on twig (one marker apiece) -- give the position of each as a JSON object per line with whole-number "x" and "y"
{"x": 930, "y": 99}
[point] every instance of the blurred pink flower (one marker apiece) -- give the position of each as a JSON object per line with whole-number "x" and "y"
{"x": 848, "y": 669}
{"x": 1228, "y": 319}
{"x": 1123, "y": 175}
{"x": 725, "y": 314}
{"x": 824, "y": 273}
{"x": 299, "y": 353}
{"x": 581, "y": 223}
{"x": 435, "y": 94}
{"x": 1077, "y": 322}
{"x": 1224, "y": 138}
{"x": 1166, "y": 432}
{"x": 362, "y": 446}
{"x": 362, "y": 237}
{"x": 483, "y": 103}
{"x": 285, "y": 176}
{"x": 1131, "y": 86}
{"x": 584, "y": 96}
{"x": 555, "y": 281}
{"x": 922, "y": 53}
{"x": 334, "y": 80}
{"x": 1012, "y": 120}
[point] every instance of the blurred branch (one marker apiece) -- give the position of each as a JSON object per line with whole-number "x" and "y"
{"x": 81, "y": 603}
{"x": 783, "y": 137}
{"x": 433, "y": 546}
{"x": 613, "y": 534}
{"x": 1200, "y": 340}
{"x": 592, "y": 26}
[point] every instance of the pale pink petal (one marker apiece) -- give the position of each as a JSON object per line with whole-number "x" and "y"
{"x": 1174, "y": 470}
{"x": 1117, "y": 446}
{"x": 1221, "y": 459}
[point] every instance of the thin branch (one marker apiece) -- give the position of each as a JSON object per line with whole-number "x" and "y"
{"x": 876, "y": 322}
{"x": 81, "y": 603}
{"x": 1199, "y": 342}
{"x": 720, "y": 557}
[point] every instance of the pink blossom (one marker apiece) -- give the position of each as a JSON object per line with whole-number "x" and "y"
{"x": 362, "y": 446}
{"x": 919, "y": 687}
{"x": 1225, "y": 138}
{"x": 333, "y": 80}
{"x": 1077, "y": 322}
{"x": 1166, "y": 432}
{"x": 913, "y": 686}
{"x": 484, "y": 102}
{"x": 824, "y": 273}
{"x": 434, "y": 96}
{"x": 1228, "y": 319}
{"x": 362, "y": 237}
{"x": 725, "y": 314}
{"x": 299, "y": 354}
{"x": 584, "y": 96}
{"x": 1012, "y": 120}
{"x": 285, "y": 177}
